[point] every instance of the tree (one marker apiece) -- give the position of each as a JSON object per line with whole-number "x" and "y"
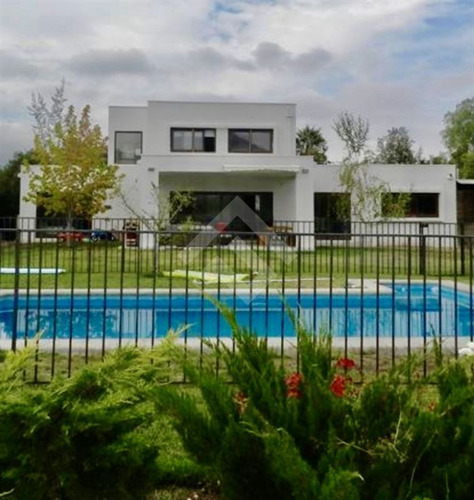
{"x": 310, "y": 142}
{"x": 396, "y": 147}
{"x": 165, "y": 210}
{"x": 353, "y": 132}
{"x": 74, "y": 178}
{"x": 46, "y": 119}
{"x": 10, "y": 184}
{"x": 458, "y": 136}
{"x": 367, "y": 193}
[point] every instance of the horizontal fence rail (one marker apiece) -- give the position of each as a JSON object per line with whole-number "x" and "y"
{"x": 75, "y": 293}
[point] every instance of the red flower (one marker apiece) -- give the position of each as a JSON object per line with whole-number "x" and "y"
{"x": 345, "y": 363}
{"x": 293, "y": 383}
{"x": 338, "y": 386}
{"x": 241, "y": 400}
{"x": 293, "y": 393}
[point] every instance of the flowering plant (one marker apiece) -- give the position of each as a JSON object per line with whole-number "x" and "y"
{"x": 293, "y": 385}
{"x": 378, "y": 443}
{"x": 345, "y": 363}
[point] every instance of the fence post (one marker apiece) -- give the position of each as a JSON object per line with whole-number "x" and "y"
{"x": 16, "y": 289}
{"x": 462, "y": 248}
{"x": 422, "y": 238}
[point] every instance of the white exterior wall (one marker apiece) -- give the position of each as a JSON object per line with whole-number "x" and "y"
{"x": 293, "y": 180}
{"x": 264, "y": 172}
{"x": 404, "y": 179}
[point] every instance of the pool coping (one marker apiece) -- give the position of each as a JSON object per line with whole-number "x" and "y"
{"x": 382, "y": 287}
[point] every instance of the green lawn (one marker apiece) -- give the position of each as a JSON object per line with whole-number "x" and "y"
{"x": 112, "y": 266}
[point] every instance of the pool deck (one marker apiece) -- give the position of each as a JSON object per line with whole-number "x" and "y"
{"x": 371, "y": 286}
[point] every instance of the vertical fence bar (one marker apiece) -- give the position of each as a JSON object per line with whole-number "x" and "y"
{"x": 362, "y": 298}
{"x": 346, "y": 297}
{"x": 104, "y": 298}
{"x": 409, "y": 298}
{"x": 456, "y": 312}
{"x": 71, "y": 307}
{"x": 55, "y": 314}
{"x": 377, "y": 305}
{"x": 88, "y": 299}
{"x": 471, "y": 294}
{"x": 331, "y": 282}
{"x": 393, "y": 304}
{"x": 123, "y": 244}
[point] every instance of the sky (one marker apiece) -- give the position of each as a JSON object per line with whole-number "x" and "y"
{"x": 394, "y": 62}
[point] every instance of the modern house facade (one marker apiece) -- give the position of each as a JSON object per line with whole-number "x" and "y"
{"x": 218, "y": 151}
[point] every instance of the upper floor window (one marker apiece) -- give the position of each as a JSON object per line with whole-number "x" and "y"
{"x": 128, "y": 147}
{"x": 416, "y": 204}
{"x": 250, "y": 141}
{"x": 193, "y": 140}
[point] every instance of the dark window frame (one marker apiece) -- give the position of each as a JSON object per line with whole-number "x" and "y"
{"x": 413, "y": 206}
{"x": 326, "y": 218}
{"x": 190, "y": 211}
{"x": 192, "y": 129}
{"x": 115, "y": 145}
{"x": 250, "y": 131}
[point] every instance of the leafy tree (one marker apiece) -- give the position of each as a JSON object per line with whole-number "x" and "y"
{"x": 458, "y": 136}
{"x": 366, "y": 191}
{"x": 10, "y": 184}
{"x": 47, "y": 118}
{"x": 310, "y": 142}
{"x": 396, "y": 147}
{"x": 353, "y": 132}
{"x": 74, "y": 178}
{"x": 439, "y": 159}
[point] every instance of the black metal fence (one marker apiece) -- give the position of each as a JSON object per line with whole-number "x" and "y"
{"x": 74, "y": 294}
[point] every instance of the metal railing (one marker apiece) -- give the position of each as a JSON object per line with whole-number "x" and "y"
{"x": 77, "y": 293}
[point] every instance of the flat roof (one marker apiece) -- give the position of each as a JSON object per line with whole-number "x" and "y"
{"x": 226, "y": 102}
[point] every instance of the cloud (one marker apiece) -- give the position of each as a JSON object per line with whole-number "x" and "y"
{"x": 270, "y": 55}
{"x": 13, "y": 66}
{"x": 14, "y": 137}
{"x": 403, "y": 62}
{"x": 110, "y": 62}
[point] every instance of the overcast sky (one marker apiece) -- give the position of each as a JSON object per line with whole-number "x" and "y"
{"x": 395, "y": 62}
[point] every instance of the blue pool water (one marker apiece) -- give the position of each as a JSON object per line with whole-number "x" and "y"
{"x": 400, "y": 311}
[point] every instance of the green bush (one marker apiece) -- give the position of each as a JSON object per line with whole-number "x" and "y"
{"x": 316, "y": 433}
{"x": 90, "y": 436}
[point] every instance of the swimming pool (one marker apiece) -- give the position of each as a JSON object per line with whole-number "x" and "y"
{"x": 393, "y": 310}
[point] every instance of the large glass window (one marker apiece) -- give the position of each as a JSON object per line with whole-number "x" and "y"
{"x": 250, "y": 141}
{"x": 128, "y": 147}
{"x": 332, "y": 212}
{"x": 417, "y": 204}
{"x": 206, "y": 206}
{"x": 193, "y": 140}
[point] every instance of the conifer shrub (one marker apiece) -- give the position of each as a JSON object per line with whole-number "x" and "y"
{"x": 320, "y": 434}
{"x": 90, "y": 436}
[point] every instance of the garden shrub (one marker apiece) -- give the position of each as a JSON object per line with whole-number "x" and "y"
{"x": 90, "y": 436}
{"x": 318, "y": 433}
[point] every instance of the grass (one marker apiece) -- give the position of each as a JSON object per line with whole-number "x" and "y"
{"x": 113, "y": 266}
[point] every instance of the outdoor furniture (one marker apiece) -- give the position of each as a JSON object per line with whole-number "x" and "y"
{"x": 278, "y": 235}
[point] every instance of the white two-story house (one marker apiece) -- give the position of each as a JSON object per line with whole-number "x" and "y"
{"x": 219, "y": 151}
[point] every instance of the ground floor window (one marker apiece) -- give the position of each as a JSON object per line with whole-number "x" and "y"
{"x": 332, "y": 213}
{"x": 205, "y": 206}
{"x": 417, "y": 204}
